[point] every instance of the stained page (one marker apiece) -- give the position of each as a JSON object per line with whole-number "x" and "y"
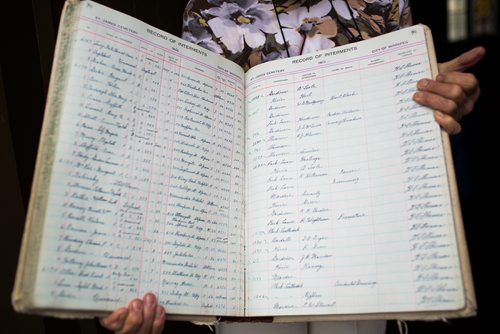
{"x": 348, "y": 206}
{"x": 146, "y": 190}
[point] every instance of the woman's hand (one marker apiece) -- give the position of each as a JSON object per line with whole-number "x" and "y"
{"x": 140, "y": 317}
{"x": 453, "y": 94}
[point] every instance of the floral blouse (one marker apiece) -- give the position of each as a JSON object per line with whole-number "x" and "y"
{"x": 250, "y": 32}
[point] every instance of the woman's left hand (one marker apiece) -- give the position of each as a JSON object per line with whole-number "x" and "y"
{"x": 453, "y": 93}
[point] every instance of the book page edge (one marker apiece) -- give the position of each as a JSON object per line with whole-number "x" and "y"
{"x": 23, "y": 293}
{"x": 470, "y": 305}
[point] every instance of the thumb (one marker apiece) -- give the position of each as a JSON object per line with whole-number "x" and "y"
{"x": 464, "y": 61}
{"x": 115, "y": 320}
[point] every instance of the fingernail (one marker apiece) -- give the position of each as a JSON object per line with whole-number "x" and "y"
{"x": 440, "y": 78}
{"x": 422, "y": 83}
{"x": 150, "y": 300}
{"x": 159, "y": 313}
{"x": 119, "y": 321}
{"x": 137, "y": 306}
{"x": 417, "y": 96}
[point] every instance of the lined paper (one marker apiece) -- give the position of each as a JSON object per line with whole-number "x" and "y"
{"x": 348, "y": 208}
{"x": 147, "y": 189}
{"x": 312, "y": 185}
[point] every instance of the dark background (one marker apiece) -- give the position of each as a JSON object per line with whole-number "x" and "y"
{"x": 28, "y": 34}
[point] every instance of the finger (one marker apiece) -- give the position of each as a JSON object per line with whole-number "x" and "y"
{"x": 448, "y": 123}
{"x": 471, "y": 89}
{"x": 468, "y": 82}
{"x": 469, "y": 104}
{"x": 159, "y": 320}
{"x": 451, "y": 91}
{"x": 438, "y": 102}
{"x": 469, "y": 85}
{"x": 148, "y": 313}
{"x": 464, "y": 61}
{"x": 114, "y": 321}
{"x": 134, "y": 319}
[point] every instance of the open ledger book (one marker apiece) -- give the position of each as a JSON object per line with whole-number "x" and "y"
{"x": 308, "y": 188}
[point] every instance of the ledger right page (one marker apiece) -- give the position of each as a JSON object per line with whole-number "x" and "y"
{"x": 348, "y": 204}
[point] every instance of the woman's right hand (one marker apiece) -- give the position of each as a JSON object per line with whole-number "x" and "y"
{"x": 142, "y": 316}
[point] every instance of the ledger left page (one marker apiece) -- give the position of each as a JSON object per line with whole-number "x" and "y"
{"x": 145, "y": 191}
